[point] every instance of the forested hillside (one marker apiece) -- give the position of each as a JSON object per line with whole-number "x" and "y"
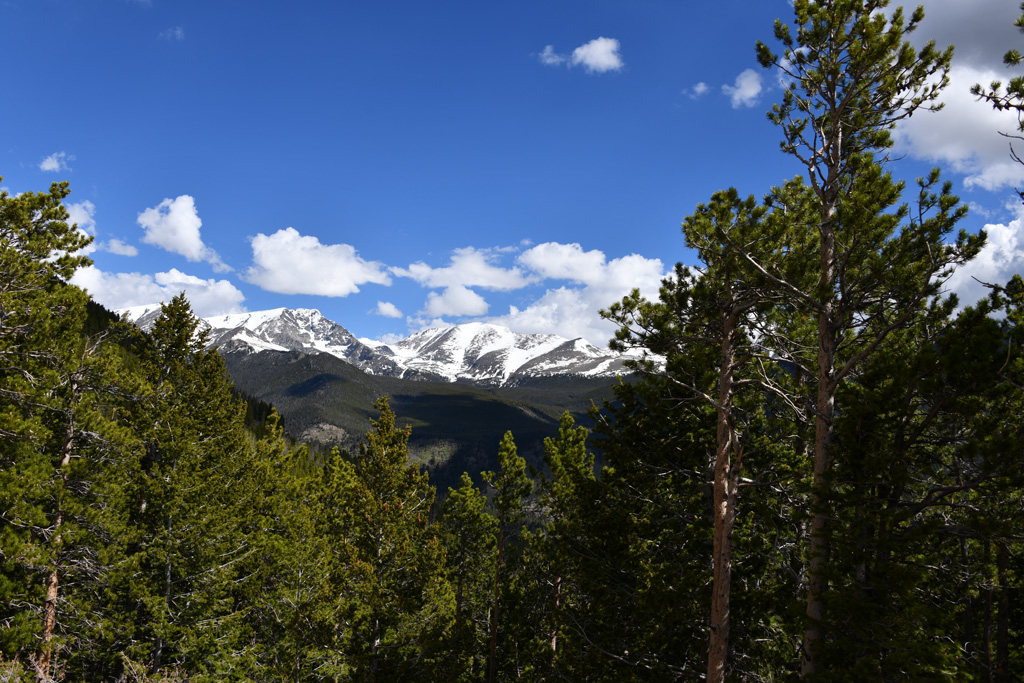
{"x": 325, "y": 401}
{"x": 821, "y": 477}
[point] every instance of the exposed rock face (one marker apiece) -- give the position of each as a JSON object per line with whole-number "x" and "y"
{"x": 479, "y": 353}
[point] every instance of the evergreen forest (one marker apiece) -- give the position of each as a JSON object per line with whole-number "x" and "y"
{"x": 813, "y": 473}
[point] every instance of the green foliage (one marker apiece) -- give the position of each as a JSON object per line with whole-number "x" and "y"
{"x": 853, "y": 76}
{"x": 389, "y": 606}
{"x": 873, "y": 430}
{"x": 469, "y": 535}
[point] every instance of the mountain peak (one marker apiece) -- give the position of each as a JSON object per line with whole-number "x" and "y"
{"x": 478, "y": 352}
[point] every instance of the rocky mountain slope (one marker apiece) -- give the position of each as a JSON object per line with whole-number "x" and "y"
{"x": 478, "y": 353}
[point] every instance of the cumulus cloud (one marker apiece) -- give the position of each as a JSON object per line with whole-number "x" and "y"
{"x": 388, "y": 310}
{"x": 57, "y": 161}
{"x": 981, "y": 30}
{"x": 572, "y": 311}
{"x": 965, "y": 135}
{"x": 575, "y": 284}
{"x": 288, "y": 262}
{"x": 120, "y": 290}
{"x": 175, "y": 34}
{"x": 598, "y": 56}
{"x": 174, "y": 224}
{"x": 564, "y": 311}
{"x": 455, "y": 301}
{"x": 118, "y": 247}
{"x": 1001, "y": 259}
{"x": 564, "y": 262}
{"x": 746, "y": 90}
{"x": 556, "y": 261}
{"x": 468, "y": 267}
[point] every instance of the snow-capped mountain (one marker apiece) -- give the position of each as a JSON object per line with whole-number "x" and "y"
{"x": 475, "y": 352}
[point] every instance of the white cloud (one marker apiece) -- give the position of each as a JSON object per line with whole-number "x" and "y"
{"x": 1001, "y": 259}
{"x": 556, "y": 261}
{"x": 120, "y": 248}
{"x": 564, "y": 262}
{"x": 82, "y": 214}
{"x": 290, "y": 263}
{"x": 746, "y": 90}
{"x": 174, "y": 224}
{"x": 550, "y": 57}
{"x": 120, "y": 290}
{"x": 388, "y": 310}
{"x": 567, "y": 312}
{"x": 175, "y": 34}
{"x": 469, "y": 267}
{"x": 580, "y": 283}
{"x": 697, "y": 90}
{"x": 598, "y": 56}
{"x": 965, "y": 134}
{"x": 455, "y": 300}
{"x": 981, "y": 30}
{"x": 572, "y": 311}
{"x": 57, "y": 161}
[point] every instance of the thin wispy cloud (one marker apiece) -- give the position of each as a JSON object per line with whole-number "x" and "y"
{"x": 175, "y": 34}
{"x": 697, "y": 90}
{"x": 550, "y": 57}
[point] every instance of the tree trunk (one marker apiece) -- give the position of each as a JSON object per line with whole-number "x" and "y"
{"x": 56, "y": 540}
{"x": 817, "y": 580}
{"x": 492, "y": 664}
{"x": 556, "y": 601}
{"x": 724, "y": 510}
{"x": 968, "y": 643}
{"x": 1003, "y": 619}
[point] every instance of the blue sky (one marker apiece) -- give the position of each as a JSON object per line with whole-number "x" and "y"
{"x": 405, "y": 164}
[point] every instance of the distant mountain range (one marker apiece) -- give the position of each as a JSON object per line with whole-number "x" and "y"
{"x": 459, "y": 388}
{"x": 478, "y": 353}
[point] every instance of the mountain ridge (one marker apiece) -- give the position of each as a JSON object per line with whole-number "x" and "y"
{"x": 478, "y": 353}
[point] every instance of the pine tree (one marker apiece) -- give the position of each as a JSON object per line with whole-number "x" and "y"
{"x": 391, "y": 605}
{"x": 190, "y": 498}
{"x": 722, "y": 331}
{"x": 285, "y": 570}
{"x": 1010, "y": 99}
{"x": 511, "y": 486}
{"x": 469, "y": 534}
{"x": 59, "y": 450}
{"x": 852, "y": 78}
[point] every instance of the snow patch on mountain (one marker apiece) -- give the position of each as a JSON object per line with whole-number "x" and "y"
{"x": 475, "y": 352}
